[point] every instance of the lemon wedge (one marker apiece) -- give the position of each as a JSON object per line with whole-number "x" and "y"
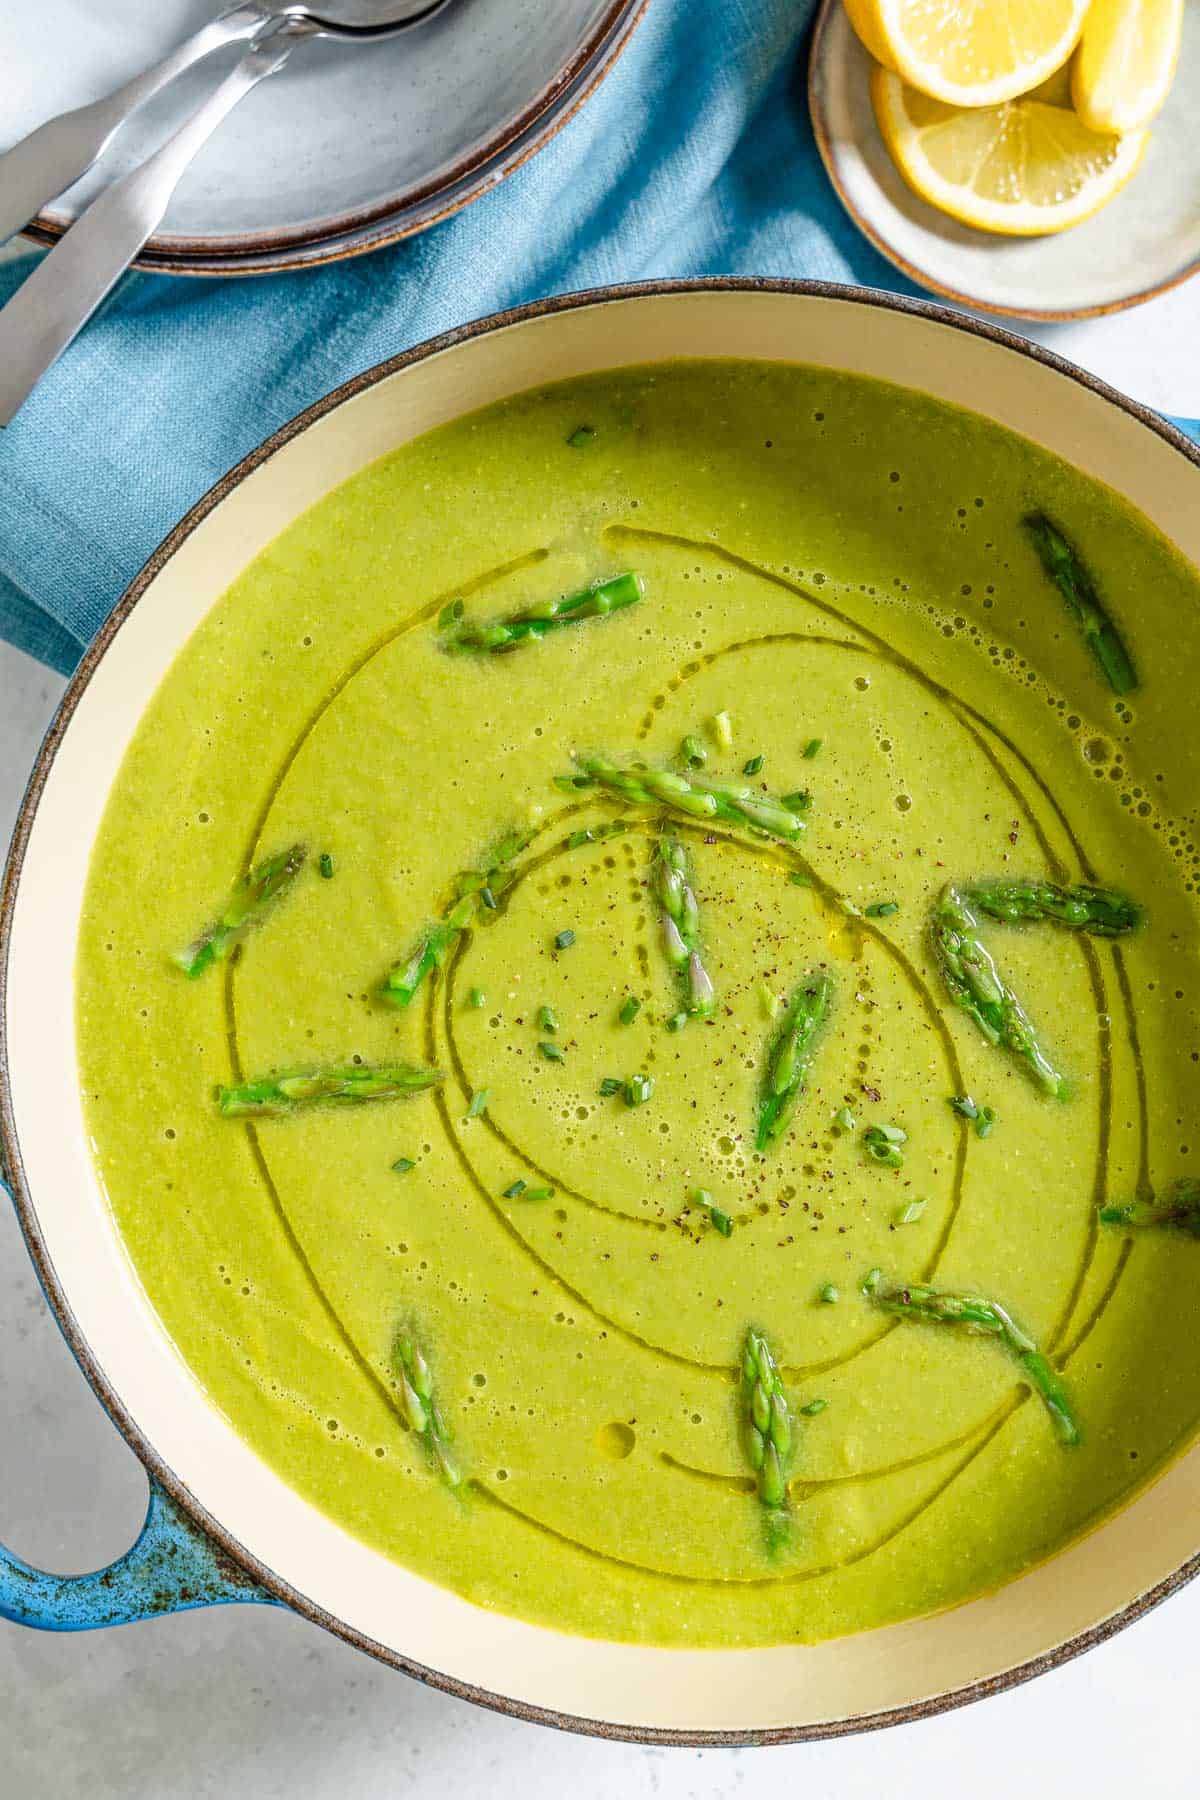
{"x": 1126, "y": 62}
{"x": 1027, "y": 167}
{"x": 969, "y": 52}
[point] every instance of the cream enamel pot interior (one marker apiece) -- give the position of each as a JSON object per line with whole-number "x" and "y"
{"x": 872, "y": 1679}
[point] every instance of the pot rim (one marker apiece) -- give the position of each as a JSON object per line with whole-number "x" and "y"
{"x": 10, "y": 1155}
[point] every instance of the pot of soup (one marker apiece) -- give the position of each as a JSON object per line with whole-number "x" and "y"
{"x": 602, "y": 1014}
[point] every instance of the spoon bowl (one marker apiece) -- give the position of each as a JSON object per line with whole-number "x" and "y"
{"x": 361, "y": 20}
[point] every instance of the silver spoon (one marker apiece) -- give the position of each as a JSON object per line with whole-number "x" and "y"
{"x": 57, "y": 299}
{"x": 57, "y": 153}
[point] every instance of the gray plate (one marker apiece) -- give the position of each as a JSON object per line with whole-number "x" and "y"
{"x": 1143, "y": 242}
{"x": 349, "y": 148}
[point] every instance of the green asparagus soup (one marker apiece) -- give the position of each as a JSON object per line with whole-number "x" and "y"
{"x": 639, "y": 1004}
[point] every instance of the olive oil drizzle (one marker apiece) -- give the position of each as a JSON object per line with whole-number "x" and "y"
{"x": 785, "y": 1577}
{"x": 976, "y": 724}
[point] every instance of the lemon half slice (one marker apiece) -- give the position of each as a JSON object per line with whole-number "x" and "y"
{"x": 969, "y": 52}
{"x": 1027, "y": 167}
{"x": 1126, "y": 62}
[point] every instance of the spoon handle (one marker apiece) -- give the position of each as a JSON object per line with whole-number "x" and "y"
{"x": 46, "y": 162}
{"x": 67, "y": 286}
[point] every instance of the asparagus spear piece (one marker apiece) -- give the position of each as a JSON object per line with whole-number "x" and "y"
{"x": 594, "y": 602}
{"x": 485, "y": 883}
{"x": 1101, "y": 911}
{"x": 275, "y": 1094}
{"x": 421, "y": 1409}
{"x": 1067, "y": 571}
{"x": 246, "y": 906}
{"x": 1178, "y": 1209}
{"x": 471, "y": 890}
{"x": 976, "y": 985}
{"x": 694, "y": 795}
{"x": 404, "y": 978}
{"x": 790, "y": 1057}
{"x": 670, "y": 880}
{"x": 987, "y": 1317}
{"x": 767, "y": 1427}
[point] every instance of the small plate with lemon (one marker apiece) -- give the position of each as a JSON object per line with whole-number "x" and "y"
{"x": 1038, "y": 158}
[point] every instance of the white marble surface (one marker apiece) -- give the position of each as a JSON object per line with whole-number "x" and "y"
{"x": 257, "y": 1704}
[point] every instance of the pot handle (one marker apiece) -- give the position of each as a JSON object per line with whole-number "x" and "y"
{"x": 173, "y": 1567}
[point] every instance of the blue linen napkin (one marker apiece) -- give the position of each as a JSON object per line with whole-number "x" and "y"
{"x": 694, "y": 157}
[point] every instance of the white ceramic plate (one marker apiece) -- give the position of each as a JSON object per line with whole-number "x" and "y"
{"x": 1144, "y": 241}
{"x": 350, "y": 147}
{"x": 902, "y": 1672}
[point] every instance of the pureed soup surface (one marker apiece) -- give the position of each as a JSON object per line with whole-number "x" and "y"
{"x": 544, "y": 1395}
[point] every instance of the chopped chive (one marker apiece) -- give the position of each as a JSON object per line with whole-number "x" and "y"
{"x": 768, "y": 1000}
{"x": 547, "y": 1019}
{"x": 752, "y": 765}
{"x": 551, "y": 1051}
{"x": 881, "y": 909}
{"x": 798, "y": 802}
{"x": 512, "y": 1193}
{"x": 985, "y": 1121}
{"x": 450, "y": 615}
{"x": 542, "y": 1193}
{"x": 487, "y": 898}
{"x": 325, "y": 864}
{"x": 799, "y": 879}
{"x": 571, "y": 784}
{"x": 476, "y": 998}
{"x": 403, "y": 1164}
{"x": 631, "y": 1006}
{"x": 812, "y": 748}
{"x": 882, "y": 1143}
{"x": 693, "y": 752}
{"x": 888, "y": 1134}
{"x": 964, "y": 1106}
{"x": 813, "y": 1407}
{"x": 721, "y": 726}
{"x": 887, "y": 1155}
{"x": 610, "y": 1086}
{"x": 638, "y": 1089}
{"x": 912, "y": 1212}
{"x": 479, "y": 1100}
{"x": 582, "y": 434}
{"x": 843, "y": 1118}
{"x": 871, "y": 1280}
{"x": 563, "y": 940}
{"x": 829, "y": 1295}
{"x": 719, "y": 1220}
{"x": 677, "y": 1021}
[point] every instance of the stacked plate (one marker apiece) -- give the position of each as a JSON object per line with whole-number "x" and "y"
{"x": 355, "y": 148}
